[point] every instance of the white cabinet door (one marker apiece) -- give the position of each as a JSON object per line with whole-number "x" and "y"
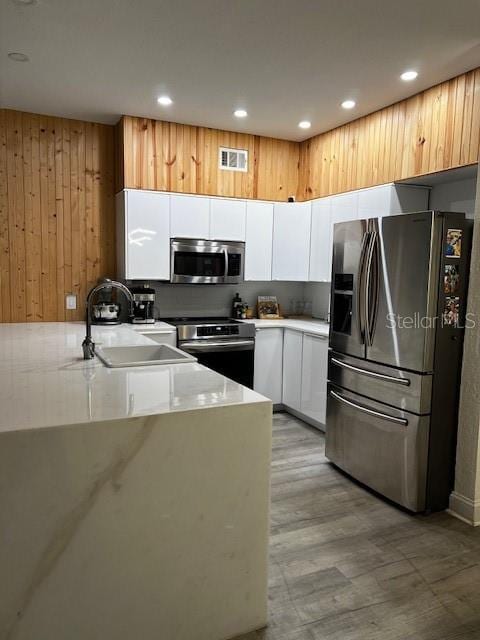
{"x": 291, "y": 241}
{"x": 321, "y": 241}
{"x": 267, "y": 378}
{"x": 292, "y": 368}
{"x": 147, "y": 241}
{"x": 258, "y": 241}
{"x": 189, "y": 216}
{"x": 345, "y": 207}
{"x": 314, "y": 377}
{"x": 374, "y": 202}
{"x": 408, "y": 199}
{"x": 227, "y": 219}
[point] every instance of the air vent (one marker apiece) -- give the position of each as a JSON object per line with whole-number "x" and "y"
{"x": 233, "y": 159}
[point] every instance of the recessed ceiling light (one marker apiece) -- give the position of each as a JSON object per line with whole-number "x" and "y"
{"x": 409, "y": 75}
{"x": 304, "y": 124}
{"x": 240, "y": 113}
{"x": 348, "y": 104}
{"x": 18, "y": 57}
{"x": 165, "y": 101}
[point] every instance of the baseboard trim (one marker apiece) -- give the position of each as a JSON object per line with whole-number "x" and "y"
{"x": 465, "y": 509}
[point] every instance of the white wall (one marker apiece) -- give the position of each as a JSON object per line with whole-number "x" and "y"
{"x": 455, "y": 196}
{"x": 465, "y": 500}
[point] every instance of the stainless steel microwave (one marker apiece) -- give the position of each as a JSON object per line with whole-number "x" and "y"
{"x": 206, "y": 261}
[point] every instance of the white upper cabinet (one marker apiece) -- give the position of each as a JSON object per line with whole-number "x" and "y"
{"x": 375, "y": 202}
{"x": 314, "y": 377}
{"x": 291, "y": 241}
{"x": 344, "y": 207}
{"x": 258, "y": 241}
{"x": 391, "y": 199}
{"x": 227, "y": 219}
{"x": 321, "y": 241}
{"x": 408, "y": 199}
{"x": 267, "y": 378}
{"x": 143, "y": 235}
{"x": 189, "y": 216}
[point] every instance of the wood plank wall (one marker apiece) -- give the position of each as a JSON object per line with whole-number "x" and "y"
{"x": 432, "y": 131}
{"x": 56, "y": 214}
{"x": 164, "y": 156}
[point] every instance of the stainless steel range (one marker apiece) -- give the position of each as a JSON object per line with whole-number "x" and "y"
{"x": 222, "y": 344}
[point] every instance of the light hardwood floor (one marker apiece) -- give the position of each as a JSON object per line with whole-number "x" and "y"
{"x": 345, "y": 565}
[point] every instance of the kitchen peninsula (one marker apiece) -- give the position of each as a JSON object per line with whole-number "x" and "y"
{"x": 132, "y": 500}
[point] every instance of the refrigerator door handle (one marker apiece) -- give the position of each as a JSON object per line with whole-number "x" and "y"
{"x": 371, "y": 412}
{"x": 371, "y": 374}
{"x": 361, "y": 297}
{"x": 371, "y": 289}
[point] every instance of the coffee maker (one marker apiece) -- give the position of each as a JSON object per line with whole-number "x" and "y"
{"x": 143, "y": 304}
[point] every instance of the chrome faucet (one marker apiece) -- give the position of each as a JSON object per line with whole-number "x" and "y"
{"x": 88, "y": 345}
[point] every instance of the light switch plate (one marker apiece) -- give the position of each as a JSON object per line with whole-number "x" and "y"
{"x": 71, "y": 301}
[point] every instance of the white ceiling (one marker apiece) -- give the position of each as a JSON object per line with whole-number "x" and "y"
{"x": 283, "y": 60}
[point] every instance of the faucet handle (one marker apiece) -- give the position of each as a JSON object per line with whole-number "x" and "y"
{"x": 88, "y": 347}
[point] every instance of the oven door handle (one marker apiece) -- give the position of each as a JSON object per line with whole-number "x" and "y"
{"x": 207, "y": 345}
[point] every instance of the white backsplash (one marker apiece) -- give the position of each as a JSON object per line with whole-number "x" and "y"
{"x": 216, "y": 300}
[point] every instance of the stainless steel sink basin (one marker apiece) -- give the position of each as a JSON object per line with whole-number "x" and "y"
{"x": 141, "y": 355}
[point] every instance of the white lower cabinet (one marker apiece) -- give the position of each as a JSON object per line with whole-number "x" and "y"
{"x": 267, "y": 378}
{"x": 314, "y": 377}
{"x": 292, "y": 368}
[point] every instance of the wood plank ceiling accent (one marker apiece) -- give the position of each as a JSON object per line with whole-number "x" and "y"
{"x": 57, "y": 231}
{"x": 166, "y": 156}
{"x": 434, "y": 130}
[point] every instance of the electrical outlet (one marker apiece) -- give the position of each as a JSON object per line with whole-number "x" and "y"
{"x": 71, "y": 301}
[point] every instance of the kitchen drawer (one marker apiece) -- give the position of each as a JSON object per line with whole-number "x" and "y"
{"x": 382, "y": 447}
{"x": 396, "y": 387}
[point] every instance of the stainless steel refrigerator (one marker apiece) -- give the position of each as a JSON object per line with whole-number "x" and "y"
{"x": 398, "y": 298}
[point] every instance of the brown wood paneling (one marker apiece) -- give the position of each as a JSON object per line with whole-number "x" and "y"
{"x": 56, "y": 214}
{"x": 165, "y": 156}
{"x": 435, "y": 130}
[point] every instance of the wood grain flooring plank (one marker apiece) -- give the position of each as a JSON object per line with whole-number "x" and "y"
{"x": 346, "y": 565}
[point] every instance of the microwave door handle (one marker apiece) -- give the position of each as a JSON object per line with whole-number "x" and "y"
{"x": 225, "y": 253}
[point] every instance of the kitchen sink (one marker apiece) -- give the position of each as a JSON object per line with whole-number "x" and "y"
{"x": 142, "y": 355}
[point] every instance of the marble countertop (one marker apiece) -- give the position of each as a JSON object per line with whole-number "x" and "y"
{"x": 44, "y": 381}
{"x": 316, "y": 327}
